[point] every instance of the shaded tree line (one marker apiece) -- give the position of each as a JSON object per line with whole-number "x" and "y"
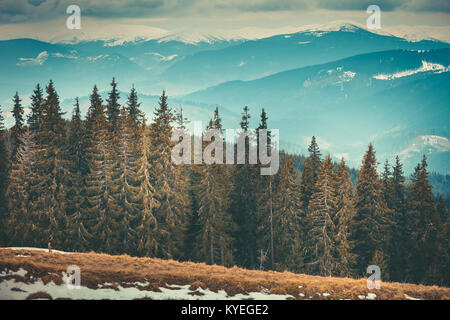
{"x": 107, "y": 183}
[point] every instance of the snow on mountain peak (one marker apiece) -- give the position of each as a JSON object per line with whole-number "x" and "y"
{"x": 426, "y": 144}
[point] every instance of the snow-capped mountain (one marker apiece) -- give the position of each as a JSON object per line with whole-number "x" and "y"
{"x": 344, "y": 83}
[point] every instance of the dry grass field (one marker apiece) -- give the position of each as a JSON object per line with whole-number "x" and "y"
{"x": 32, "y": 274}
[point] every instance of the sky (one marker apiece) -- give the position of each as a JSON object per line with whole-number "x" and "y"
{"x": 103, "y": 19}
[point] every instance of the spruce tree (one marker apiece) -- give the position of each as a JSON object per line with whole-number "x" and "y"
{"x": 214, "y": 217}
{"x": 17, "y": 128}
{"x": 100, "y": 189}
{"x": 423, "y": 227}
{"x": 288, "y": 219}
{"x": 398, "y": 250}
{"x": 345, "y": 211}
{"x": 128, "y": 188}
{"x": 78, "y": 236}
{"x": 4, "y": 163}
{"x": 244, "y": 203}
{"x": 52, "y": 169}
{"x": 113, "y": 106}
{"x": 310, "y": 172}
{"x": 34, "y": 118}
{"x": 147, "y": 231}
{"x": 171, "y": 186}
{"x": 373, "y": 219}
{"x": 321, "y": 246}
{"x": 134, "y": 113}
{"x": 23, "y": 220}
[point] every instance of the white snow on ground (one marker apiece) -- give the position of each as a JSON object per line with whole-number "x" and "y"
{"x": 371, "y": 296}
{"x": 410, "y": 298}
{"x": 426, "y": 66}
{"x": 12, "y": 290}
{"x": 34, "y": 249}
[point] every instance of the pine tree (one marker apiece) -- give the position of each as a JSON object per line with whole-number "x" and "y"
{"x": 113, "y": 106}
{"x": 423, "y": 226}
{"x": 265, "y": 203}
{"x": 386, "y": 183}
{"x": 244, "y": 203}
{"x": 4, "y": 163}
{"x": 52, "y": 170}
{"x": 34, "y": 119}
{"x": 288, "y": 218}
{"x": 23, "y": 219}
{"x": 345, "y": 211}
{"x": 128, "y": 188}
{"x": 321, "y": 211}
{"x": 213, "y": 212}
{"x": 17, "y": 128}
{"x": 310, "y": 172}
{"x": 134, "y": 113}
{"x": 398, "y": 250}
{"x": 147, "y": 231}
{"x": 77, "y": 235}
{"x": 373, "y": 219}
{"x": 171, "y": 186}
{"x": 445, "y": 248}
{"x": 100, "y": 189}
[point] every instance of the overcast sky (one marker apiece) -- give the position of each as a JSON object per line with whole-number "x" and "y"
{"x": 46, "y": 18}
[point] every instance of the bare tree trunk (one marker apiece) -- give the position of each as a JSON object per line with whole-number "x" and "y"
{"x": 211, "y": 249}
{"x": 271, "y": 224}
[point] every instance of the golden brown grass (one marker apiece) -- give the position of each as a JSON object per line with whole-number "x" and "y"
{"x": 124, "y": 270}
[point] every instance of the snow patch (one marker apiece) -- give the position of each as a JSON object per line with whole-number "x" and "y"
{"x": 410, "y": 298}
{"x": 10, "y": 289}
{"x": 36, "y": 249}
{"x": 426, "y": 67}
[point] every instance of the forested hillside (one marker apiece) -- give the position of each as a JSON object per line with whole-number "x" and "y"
{"x": 105, "y": 182}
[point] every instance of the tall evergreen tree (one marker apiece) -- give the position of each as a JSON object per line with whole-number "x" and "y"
{"x": 4, "y": 163}
{"x": 23, "y": 220}
{"x": 321, "y": 211}
{"x": 398, "y": 250}
{"x": 288, "y": 218}
{"x": 35, "y": 116}
{"x": 147, "y": 231}
{"x": 423, "y": 226}
{"x": 127, "y": 196}
{"x": 171, "y": 186}
{"x": 113, "y": 106}
{"x": 214, "y": 217}
{"x": 17, "y": 128}
{"x": 52, "y": 169}
{"x": 345, "y": 211}
{"x": 134, "y": 112}
{"x": 100, "y": 189}
{"x": 77, "y": 234}
{"x": 244, "y": 202}
{"x": 310, "y": 172}
{"x": 373, "y": 219}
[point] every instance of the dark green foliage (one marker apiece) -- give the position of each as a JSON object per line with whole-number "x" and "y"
{"x": 108, "y": 184}
{"x": 34, "y": 118}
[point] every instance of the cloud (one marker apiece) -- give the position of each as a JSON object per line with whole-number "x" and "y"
{"x": 39, "y": 60}
{"x": 13, "y": 11}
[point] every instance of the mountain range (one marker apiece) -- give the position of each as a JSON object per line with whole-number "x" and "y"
{"x": 347, "y": 85}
